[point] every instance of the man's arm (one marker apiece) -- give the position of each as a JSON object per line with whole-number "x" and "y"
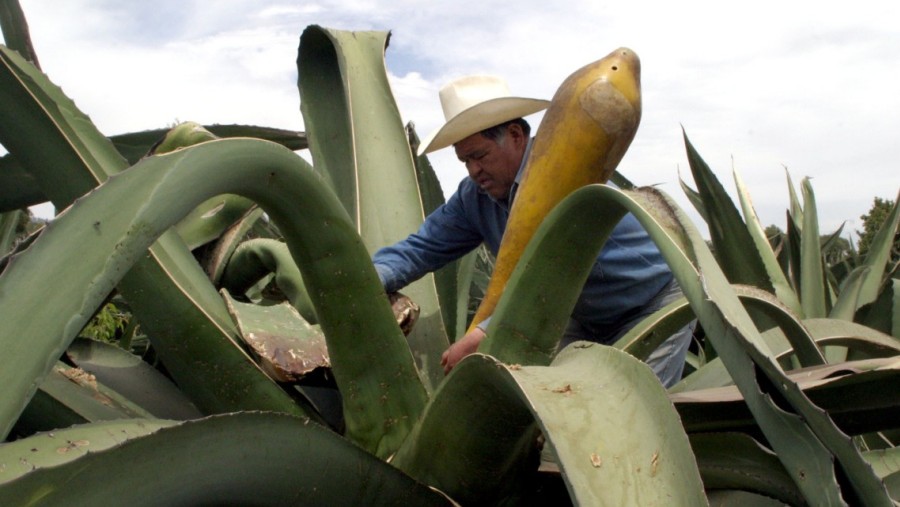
{"x": 446, "y": 235}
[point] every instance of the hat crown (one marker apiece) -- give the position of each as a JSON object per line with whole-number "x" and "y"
{"x": 469, "y": 91}
{"x": 474, "y": 103}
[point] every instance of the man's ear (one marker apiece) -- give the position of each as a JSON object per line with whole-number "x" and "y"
{"x": 514, "y": 130}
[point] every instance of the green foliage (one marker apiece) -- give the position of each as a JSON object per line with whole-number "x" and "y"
{"x": 872, "y": 222}
{"x": 107, "y": 325}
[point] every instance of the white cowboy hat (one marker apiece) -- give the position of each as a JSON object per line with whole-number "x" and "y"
{"x": 474, "y": 103}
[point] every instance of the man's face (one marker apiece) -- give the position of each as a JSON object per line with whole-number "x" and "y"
{"x": 493, "y": 165}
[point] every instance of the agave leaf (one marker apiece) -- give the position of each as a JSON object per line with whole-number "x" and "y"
{"x": 813, "y": 290}
{"x": 285, "y": 344}
{"x": 884, "y": 461}
{"x": 731, "y": 497}
{"x": 69, "y": 396}
{"x": 475, "y": 426}
{"x": 884, "y": 313}
{"x": 234, "y": 459}
{"x": 796, "y": 208}
{"x": 780, "y": 284}
{"x": 135, "y": 145}
{"x": 372, "y": 364}
{"x": 465, "y": 277}
{"x": 727, "y": 230}
{"x": 359, "y": 145}
{"x": 737, "y": 461}
{"x": 132, "y": 377}
{"x": 879, "y": 255}
{"x": 694, "y": 198}
{"x": 859, "y": 395}
{"x": 47, "y": 450}
{"x": 860, "y": 340}
{"x": 19, "y": 188}
{"x": 517, "y": 334}
{"x": 9, "y": 222}
{"x": 210, "y": 219}
{"x": 233, "y": 237}
{"x": 445, "y": 279}
{"x": 170, "y": 295}
{"x": 514, "y": 334}
{"x": 643, "y": 338}
{"x": 802, "y": 343}
{"x": 603, "y": 412}
{"x": 853, "y": 335}
{"x": 16, "y": 35}
{"x": 851, "y": 288}
{"x": 254, "y": 259}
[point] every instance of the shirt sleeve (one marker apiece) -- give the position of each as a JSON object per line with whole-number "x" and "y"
{"x": 446, "y": 235}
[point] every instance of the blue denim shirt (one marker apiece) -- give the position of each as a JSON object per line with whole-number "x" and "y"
{"x": 628, "y": 273}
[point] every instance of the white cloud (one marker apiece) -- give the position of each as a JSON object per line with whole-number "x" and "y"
{"x": 757, "y": 86}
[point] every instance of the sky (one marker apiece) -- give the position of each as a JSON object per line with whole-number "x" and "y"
{"x": 772, "y": 89}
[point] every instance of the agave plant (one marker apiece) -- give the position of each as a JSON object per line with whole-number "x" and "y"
{"x": 272, "y": 343}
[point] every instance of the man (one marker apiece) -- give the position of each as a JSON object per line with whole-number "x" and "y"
{"x": 629, "y": 280}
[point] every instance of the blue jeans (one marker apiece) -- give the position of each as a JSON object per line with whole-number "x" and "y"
{"x": 667, "y": 361}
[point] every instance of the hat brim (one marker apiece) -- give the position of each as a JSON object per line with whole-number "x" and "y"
{"x": 479, "y": 117}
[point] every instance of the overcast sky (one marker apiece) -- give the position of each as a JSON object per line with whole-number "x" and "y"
{"x": 758, "y": 86}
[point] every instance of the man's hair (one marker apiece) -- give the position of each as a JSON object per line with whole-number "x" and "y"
{"x": 497, "y": 132}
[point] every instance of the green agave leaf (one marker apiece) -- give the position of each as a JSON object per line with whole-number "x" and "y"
{"x": 69, "y": 396}
{"x": 780, "y": 284}
{"x": 728, "y": 232}
{"x": 254, "y": 259}
{"x": 211, "y": 218}
{"x": 879, "y": 255}
{"x": 229, "y": 241}
{"x": 464, "y": 279}
{"x": 19, "y": 187}
{"x": 884, "y": 461}
{"x": 859, "y": 339}
{"x": 884, "y": 313}
{"x": 813, "y": 289}
{"x": 234, "y": 459}
{"x": 606, "y": 417}
{"x": 694, "y": 198}
{"x": 859, "y": 395}
{"x": 730, "y": 497}
{"x": 51, "y": 449}
{"x": 736, "y": 461}
{"x": 170, "y": 295}
{"x": 359, "y": 145}
{"x": 9, "y": 222}
{"x": 445, "y": 279}
{"x": 796, "y": 209}
{"x": 851, "y": 288}
{"x": 372, "y": 363}
{"x": 801, "y": 342}
{"x": 285, "y": 344}
{"x": 133, "y": 378}
{"x": 15, "y": 30}
{"x": 135, "y": 145}
{"x": 475, "y": 426}
{"x": 208, "y": 221}
{"x": 643, "y": 338}
{"x": 515, "y": 335}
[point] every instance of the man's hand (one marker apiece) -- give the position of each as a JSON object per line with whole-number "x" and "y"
{"x": 461, "y": 348}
